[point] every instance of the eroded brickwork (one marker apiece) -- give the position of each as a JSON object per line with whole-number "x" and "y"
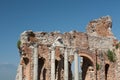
{"x": 91, "y": 45}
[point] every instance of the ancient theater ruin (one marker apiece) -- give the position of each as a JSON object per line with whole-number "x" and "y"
{"x": 48, "y": 56}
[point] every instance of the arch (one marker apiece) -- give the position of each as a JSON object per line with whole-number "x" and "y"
{"x": 106, "y": 70}
{"x": 88, "y": 64}
{"x": 41, "y": 62}
{"x": 88, "y": 55}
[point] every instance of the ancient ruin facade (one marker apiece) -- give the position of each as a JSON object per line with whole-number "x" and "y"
{"x": 48, "y": 56}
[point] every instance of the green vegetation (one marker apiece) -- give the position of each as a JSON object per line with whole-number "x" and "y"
{"x": 18, "y": 44}
{"x": 97, "y": 66}
{"x": 117, "y": 46}
{"x": 111, "y": 56}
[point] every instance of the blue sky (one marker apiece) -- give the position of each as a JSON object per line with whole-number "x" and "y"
{"x": 49, "y": 15}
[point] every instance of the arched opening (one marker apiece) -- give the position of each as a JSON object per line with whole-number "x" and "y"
{"x": 59, "y": 67}
{"x": 69, "y": 71}
{"x": 40, "y": 67}
{"x": 106, "y": 71}
{"x": 87, "y": 69}
{"x": 56, "y": 68}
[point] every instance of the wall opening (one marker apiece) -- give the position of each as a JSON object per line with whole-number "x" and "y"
{"x": 106, "y": 71}
{"x": 59, "y": 67}
{"x": 87, "y": 69}
{"x": 56, "y": 68}
{"x": 40, "y": 67}
{"x": 26, "y": 60}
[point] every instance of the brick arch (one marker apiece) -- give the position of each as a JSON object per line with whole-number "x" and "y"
{"x": 88, "y": 61}
{"x": 87, "y": 54}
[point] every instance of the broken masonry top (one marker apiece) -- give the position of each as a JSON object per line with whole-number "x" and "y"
{"x": 98, "y": 29}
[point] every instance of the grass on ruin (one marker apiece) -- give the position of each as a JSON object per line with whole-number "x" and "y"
{"x": 97, "y": 66}
{"x": 111, "y": 56}
{"x": 118, "y": 45}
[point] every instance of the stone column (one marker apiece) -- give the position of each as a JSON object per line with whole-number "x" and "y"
{"x": 66, "y": 65}
{"x": 76, "y": 76}
{"x": 53, "y": 64}
{"x": 35, "y": 58}
{"x": 20, "y": 72}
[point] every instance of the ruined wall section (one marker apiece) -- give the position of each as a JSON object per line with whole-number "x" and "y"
{"x": 100, "y": 27}
{"x": 117, "y": 66}
{"x": 100, "y": 43}
{"x": 45, "y": 40}
{"x": 98, "y": 37}
{"x": 101, "y": 39}
{"x": 73, "y": 38}
{"x": 99, "y": 33}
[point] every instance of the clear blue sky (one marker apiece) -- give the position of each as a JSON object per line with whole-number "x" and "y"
{"x": 49, "y": 15}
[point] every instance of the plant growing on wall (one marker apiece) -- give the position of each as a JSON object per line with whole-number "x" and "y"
{"x": 117, "y": 46}
{"x": 18, "y": 44}
{"x": 111, "y": 56}
{"x": 97, "y": 66}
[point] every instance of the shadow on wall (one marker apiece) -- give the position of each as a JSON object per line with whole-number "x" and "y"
{"x": 106, "y": 70}
{"x": 86, "y": 64}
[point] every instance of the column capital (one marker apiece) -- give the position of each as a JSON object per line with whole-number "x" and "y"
{"x": 75, "y": 50}
{"x": 35, "y": 45}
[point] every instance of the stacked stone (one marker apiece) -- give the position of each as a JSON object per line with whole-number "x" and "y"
{"x": 118, "y": 64}
{"x": 58, "y": 57}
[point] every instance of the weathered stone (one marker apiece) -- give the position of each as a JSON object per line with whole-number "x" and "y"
{"x": 100, "y": 27}
{"x": 92, "y": 46}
